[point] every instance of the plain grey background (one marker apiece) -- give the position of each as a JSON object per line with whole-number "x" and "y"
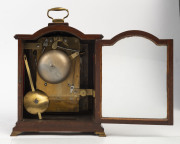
{"x": 159, "y": 17}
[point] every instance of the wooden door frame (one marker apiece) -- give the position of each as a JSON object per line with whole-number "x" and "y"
{"x": 98, "y": 79}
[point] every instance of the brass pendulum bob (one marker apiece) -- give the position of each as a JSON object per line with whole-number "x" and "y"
{"x": 35, "y": 101}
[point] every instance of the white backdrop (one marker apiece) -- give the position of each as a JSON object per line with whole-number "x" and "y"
{"x": 159, "y": 17}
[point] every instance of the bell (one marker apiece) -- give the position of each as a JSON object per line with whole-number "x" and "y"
{"x": 54, "y": 66}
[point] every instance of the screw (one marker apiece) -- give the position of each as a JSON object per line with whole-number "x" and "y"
{"x": 65, "y": 40}
{"x": 36, "y": 101}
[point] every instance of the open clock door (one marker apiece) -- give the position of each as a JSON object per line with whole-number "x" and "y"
{"x": 134, "y": 79}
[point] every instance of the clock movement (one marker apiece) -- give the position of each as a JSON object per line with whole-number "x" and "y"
{"x": 60, "y": 80}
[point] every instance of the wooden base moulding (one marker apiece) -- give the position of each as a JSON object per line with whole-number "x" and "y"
{"x": 55, "y": 126}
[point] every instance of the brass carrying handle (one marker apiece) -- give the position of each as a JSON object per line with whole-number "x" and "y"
{"x": 29, "y": 73}
{"x": 58, "y": 9}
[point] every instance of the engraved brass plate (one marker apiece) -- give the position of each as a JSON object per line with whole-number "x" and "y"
{"x": 33, "y": 46}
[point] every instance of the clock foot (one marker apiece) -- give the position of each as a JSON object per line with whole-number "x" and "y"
{"x": 100, "y": 134}
{"x": 15, "y": 133}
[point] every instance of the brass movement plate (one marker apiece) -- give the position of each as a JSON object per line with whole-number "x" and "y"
{"x": 60, "y": 98}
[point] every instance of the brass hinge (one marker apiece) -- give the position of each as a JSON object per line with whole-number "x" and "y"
{"x": 84, "y": 92}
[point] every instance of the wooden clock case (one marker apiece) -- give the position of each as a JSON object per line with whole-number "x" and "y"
{"x": 89, "y": 121}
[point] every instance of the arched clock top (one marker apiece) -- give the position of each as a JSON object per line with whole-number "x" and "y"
{"x": 59, "y": 28}
{"x": 135, "y": 33}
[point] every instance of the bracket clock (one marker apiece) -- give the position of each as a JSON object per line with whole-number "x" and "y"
{"x": 60, "y": 80}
